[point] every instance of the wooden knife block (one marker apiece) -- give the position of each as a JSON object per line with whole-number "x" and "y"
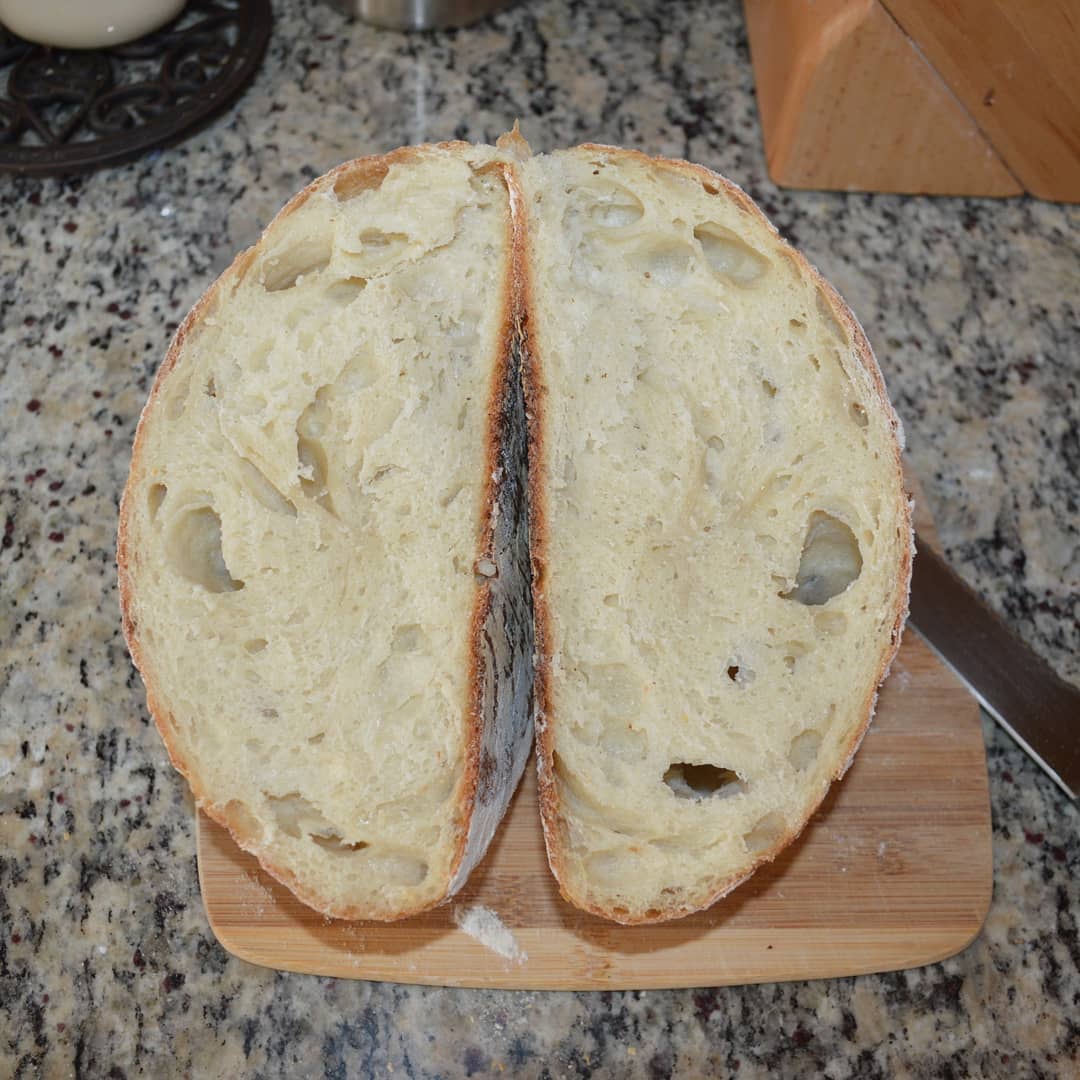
{"x": 970, "y": 97}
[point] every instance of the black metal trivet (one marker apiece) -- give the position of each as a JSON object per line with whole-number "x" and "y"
{"x": 67, "y": 110}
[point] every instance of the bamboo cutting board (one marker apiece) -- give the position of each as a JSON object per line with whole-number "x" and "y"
{"x": 893, "y": 871}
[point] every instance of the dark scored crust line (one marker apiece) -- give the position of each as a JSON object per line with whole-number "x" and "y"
{"x": 536, "y": 392}
{"x": 493, "y": 773}
{"x": 352, "y": 177}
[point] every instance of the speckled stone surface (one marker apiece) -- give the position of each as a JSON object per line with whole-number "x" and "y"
{"x": 107, "y": 967}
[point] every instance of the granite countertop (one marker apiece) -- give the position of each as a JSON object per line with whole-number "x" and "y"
{"x": 107, "y": 966}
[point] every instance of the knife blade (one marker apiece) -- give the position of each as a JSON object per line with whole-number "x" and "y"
{"x": 1015, "y": 686}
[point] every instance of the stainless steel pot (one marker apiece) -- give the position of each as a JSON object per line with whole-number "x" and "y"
{"x": 419, "y": 14}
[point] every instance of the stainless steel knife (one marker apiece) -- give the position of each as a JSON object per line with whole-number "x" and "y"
{"x": 1016, "y": 687}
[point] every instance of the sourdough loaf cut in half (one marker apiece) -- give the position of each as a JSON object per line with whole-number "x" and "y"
{"x": 720, "y": 537}
{"x": 323, "y": 560}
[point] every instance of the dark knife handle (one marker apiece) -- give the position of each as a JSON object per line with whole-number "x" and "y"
{"x": 1017, "y": 687}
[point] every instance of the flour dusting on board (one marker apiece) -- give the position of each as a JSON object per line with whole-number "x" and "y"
{"x": 486, "y": 927}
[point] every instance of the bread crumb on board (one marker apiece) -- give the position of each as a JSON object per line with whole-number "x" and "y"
{"x": 486, "y": 927}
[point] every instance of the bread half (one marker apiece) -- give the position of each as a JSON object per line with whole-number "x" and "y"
{"x": 720, "y": 537}
{"x": 322, "y": 550}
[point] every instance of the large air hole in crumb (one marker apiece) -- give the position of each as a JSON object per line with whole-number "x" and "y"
{"x": 283, "y": 269}
{"x": 615, "y": 207}
{"x": 263, "y": 491}
{"x": 381, "y": 246}
{"x": 314, "y": 467}
{"x": 345, "y": 291}
{"x": 296, "y": 816}
{"x": 830, "y": 561}
{"x": 155, "y": 498}
{"x": 765, "y": 834}
{"x": 335, "y": 844}
{"x": 688, "y": 781}
{"x": 194, "y": 549}
{"x": 804, "y": 749}
{"x": 355, "y": 182}
{"x": 314, "y": 464}
{"x": 730, "y": 256}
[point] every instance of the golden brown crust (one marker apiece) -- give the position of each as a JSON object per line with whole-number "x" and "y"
{"x": 346, "y": 180}
{"x": 552, "y": 819}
